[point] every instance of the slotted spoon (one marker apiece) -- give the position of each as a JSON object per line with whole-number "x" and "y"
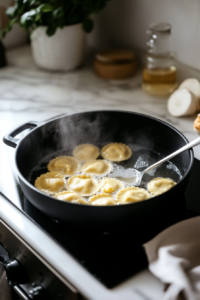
{"x": 133, "y": 176}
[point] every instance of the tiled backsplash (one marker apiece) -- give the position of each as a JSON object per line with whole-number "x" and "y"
{"x": 124, "y": 23}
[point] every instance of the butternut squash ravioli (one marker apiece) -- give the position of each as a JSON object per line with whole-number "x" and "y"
{"x": 84, "y": 179}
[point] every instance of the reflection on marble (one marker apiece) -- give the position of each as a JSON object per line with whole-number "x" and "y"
{"x": 27, "y": 93}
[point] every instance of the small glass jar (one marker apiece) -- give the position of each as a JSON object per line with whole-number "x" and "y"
{"x": 159, "y": 73}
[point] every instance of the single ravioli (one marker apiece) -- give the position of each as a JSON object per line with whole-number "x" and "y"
{"x": 65, "y": 165}
{"x": 158, "y": 186}
{"x": 116, "y": 152}
{"x": 72, "y": 197}
{"x": 131, "y": 195}
{"x": 110, "y": 185}
{"x": 97, "y": 167}
{"x": 83, "y": 184}
{"x": 50, "y": 183}
{"x": 197, "y": 124}
{"x": 102, "y": 200}
{"x": 86, "y": 152}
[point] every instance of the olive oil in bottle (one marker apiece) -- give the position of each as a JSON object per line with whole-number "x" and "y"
{"x": 159, "y": 73}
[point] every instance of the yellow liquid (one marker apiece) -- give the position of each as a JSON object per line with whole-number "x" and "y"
{"x": 159, "y": 81}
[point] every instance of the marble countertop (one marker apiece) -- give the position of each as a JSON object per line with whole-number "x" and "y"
{"x": 28, "y": 93}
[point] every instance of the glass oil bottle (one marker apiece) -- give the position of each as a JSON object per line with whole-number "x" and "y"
{"x": 159, "y": 73}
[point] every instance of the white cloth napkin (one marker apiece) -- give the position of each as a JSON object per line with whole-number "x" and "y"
{"x": 174, "y": 257}
{"x": 5, "y": 289}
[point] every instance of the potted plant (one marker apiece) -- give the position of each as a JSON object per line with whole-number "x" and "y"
{"x": 57, "y": 29}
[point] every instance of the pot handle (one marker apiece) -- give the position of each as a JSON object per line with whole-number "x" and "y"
{"x": 9, "y": 137}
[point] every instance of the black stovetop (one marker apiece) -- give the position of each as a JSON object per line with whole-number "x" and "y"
{"x": 111, "y": 257}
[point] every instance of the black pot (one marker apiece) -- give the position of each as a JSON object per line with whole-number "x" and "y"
{"x": 97, "y": 127}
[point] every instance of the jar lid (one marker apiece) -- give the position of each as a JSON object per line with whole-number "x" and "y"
{"x": 160, "y": 27}
{"x": 115, "y": 56}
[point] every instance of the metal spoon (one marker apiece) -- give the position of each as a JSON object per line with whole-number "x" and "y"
{"x": 133, "y": 176}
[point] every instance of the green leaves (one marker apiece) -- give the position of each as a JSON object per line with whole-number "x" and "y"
{"x": 9, "y": 27}
{"x": 28, "y": 18}
{"x": 88, "y": 25}
{"x": 53, "y": 14}
{"x": 11, "y": 11}
{"x": 88, "y": 5}
{"x": 33, "y": 16}
{"x": 45, "y": 8}
{"x": 58, "y": 13}
{"x": 51, "y": 30}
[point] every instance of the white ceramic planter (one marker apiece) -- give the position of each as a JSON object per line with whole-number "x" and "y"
{"x": 60, "y": 52}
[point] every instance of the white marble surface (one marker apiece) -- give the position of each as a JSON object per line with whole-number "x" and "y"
{"x": 27, "y": 93}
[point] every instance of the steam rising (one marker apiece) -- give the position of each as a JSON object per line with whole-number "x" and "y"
{"x": 61, "y": 136}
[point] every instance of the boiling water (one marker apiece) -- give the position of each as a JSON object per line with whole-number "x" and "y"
{"x": 141, "y": 159}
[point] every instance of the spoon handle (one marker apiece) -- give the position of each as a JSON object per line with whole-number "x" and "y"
{"x": 184, "y": 148}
